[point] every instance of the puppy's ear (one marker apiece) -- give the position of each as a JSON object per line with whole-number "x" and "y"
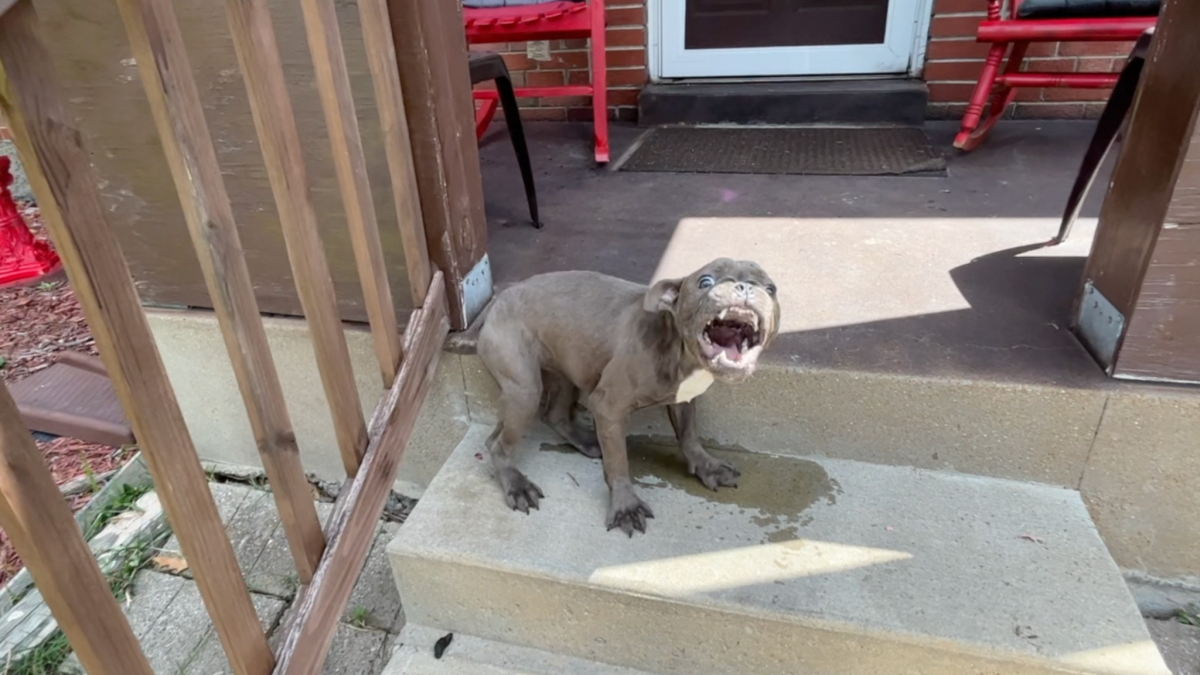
{"x": 662, "y": 296}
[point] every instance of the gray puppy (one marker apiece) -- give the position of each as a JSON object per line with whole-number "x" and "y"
{"x": 617, "y": 346}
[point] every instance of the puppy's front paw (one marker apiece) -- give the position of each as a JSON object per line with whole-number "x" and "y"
{"x": 716, "y": 474}
{"x": 627, "y": 511}
{"x": 520, "y": 493}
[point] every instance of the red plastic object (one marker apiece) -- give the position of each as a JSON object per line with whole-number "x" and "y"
{"x": 1000, "y": 86}
{"x": 560, "y": 20}
{"x": 23, "y": 259}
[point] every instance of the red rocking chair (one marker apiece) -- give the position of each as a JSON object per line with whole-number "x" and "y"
{"x": 561, "y": 20}
{"x": 1044, "y": 21}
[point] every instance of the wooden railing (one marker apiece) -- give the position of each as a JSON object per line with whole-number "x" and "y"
{"x": 328, "y": 560}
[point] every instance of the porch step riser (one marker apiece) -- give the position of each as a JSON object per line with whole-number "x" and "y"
{"x": 653, "y": 635}
{"x": 896, "y": 102}
{"x": 982, "y": 427}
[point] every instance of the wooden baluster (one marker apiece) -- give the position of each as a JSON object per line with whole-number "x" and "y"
{"x": 337, "y": 102}
{"x": 175, "y": 103}
{"x": 258, "y": 56}
{"x": 389, "y": 96}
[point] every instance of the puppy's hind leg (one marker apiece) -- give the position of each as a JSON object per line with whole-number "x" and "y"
{"x": 519, "y": 405}
{"x": 561, "y": 395}
{"x": 519, "y": 376}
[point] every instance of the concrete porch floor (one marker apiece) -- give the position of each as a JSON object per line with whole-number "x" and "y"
{"x": 930, "y": 275}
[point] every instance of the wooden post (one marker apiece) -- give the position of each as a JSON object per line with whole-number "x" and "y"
{"x": 432, "y": 53}
{"x": 59, "y": 170}
{"x": 1139, "y": 308}
{"x": 258, "y": 56}
{"x": 337, "y": 102}
{"x": 175, "y": 103}
{"x": 39, "y": 523}
{"x": 381, "y": 57}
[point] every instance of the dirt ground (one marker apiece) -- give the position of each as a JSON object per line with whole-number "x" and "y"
{"x": 38, "y": 322}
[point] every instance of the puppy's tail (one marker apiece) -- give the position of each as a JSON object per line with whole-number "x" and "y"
{"x": 483, "y": 313}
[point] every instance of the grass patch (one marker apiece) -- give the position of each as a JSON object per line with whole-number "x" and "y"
{"x": 48, "y": 658}
{"x": 125, "y": 500}
{"x": 358, "y": 616}
{"x": 132, "y": 560}
{"x": 1188, "y": 618}
{"x": 45, "y": 659}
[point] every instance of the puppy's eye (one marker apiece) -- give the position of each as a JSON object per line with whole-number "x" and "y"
{"x": 771, "y": 290}
{"x": 707, "y": 281}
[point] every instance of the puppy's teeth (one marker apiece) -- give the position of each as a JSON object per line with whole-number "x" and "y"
{"x": 721, "y": 316}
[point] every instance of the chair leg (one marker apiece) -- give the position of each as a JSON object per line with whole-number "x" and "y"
{"x": 1002, "y": 97}
{"x": 516, "y": 131}
{"x": 483, "y": 116}
{"x": 599, "y": 84}
{"x": 979, "y": 99}
{"x": 1004, "y": 93}
{"x": 1107, "y": 129}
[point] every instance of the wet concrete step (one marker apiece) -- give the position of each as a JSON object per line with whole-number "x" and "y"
{"x": 811, "y": 566}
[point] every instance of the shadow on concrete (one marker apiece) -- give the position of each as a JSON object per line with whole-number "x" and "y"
{"x": 1014, "y": 330}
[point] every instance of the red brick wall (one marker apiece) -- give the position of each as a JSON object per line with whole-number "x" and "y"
{"x": 570, "y": 63}
{"x": 954, "y": 61}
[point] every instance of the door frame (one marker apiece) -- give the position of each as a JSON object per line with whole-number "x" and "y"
{"x": 658, "y": 41}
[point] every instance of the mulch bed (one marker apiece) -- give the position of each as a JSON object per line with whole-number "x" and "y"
{"x": 38, "y": 322}
{"x": 68, "y": 459}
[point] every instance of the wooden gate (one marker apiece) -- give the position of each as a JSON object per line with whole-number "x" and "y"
{"x": 328, "y": 560}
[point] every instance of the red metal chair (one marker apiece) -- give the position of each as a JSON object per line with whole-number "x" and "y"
{"x": 562, "y": 20}
{"x": 1031, "y": 21}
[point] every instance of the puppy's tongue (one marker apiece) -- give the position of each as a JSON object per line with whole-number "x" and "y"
{"x": 726, "y": 338}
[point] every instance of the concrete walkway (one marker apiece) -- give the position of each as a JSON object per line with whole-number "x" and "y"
{"x": 168, "y": 616}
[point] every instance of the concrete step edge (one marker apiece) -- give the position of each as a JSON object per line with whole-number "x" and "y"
{"x": 971, "y": 658}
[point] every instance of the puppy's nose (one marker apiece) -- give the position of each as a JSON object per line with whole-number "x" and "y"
{"x": 742, "y": 288}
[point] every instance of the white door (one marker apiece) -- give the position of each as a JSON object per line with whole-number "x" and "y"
{"x": 748, "y": 38}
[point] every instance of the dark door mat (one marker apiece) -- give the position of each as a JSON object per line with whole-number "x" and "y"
{"x": 73, "y": 398}
{"x": 823, "y": 151}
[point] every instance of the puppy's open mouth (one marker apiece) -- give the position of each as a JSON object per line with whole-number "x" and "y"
{"x": 733, "y": 338}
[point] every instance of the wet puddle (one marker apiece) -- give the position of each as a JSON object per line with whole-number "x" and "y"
{"x": 775, "y": 491}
